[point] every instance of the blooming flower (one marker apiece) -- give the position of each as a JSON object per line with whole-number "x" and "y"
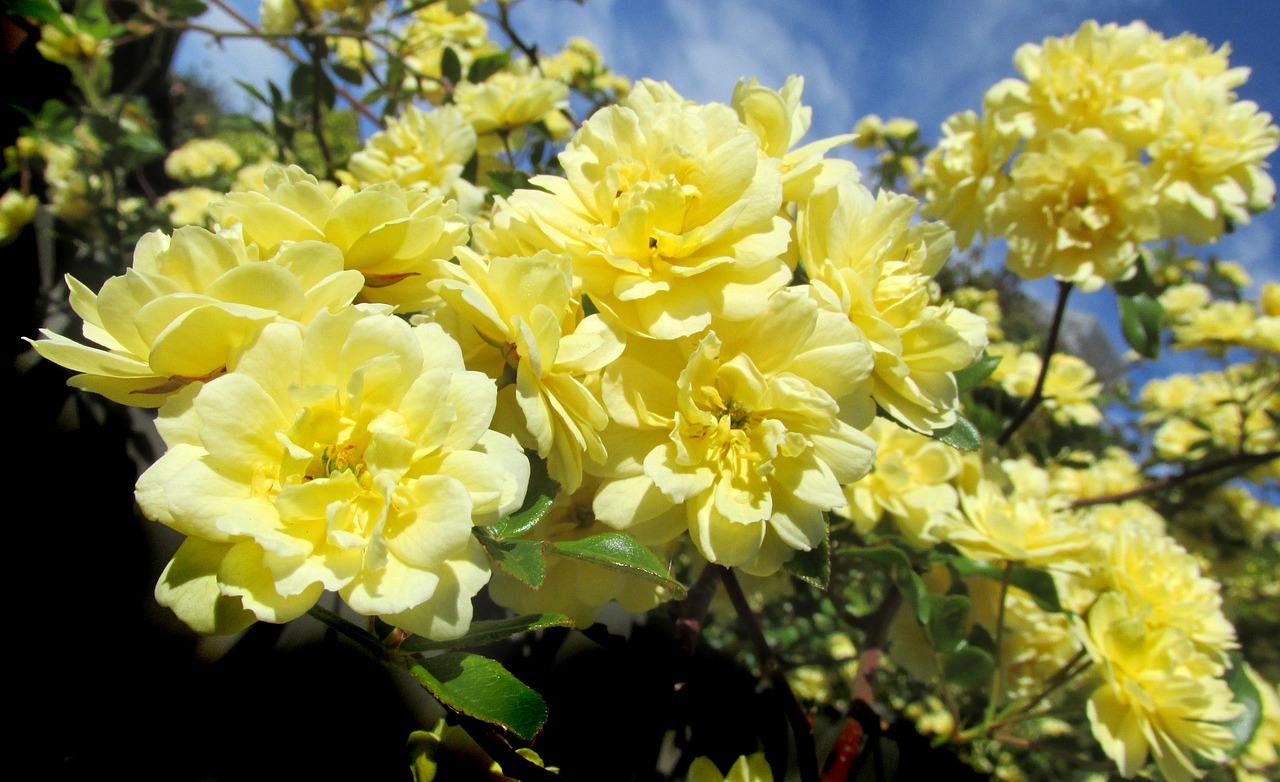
{"x": 747, "y": 768}
{"x": 526, "y": 310}
{"x": 353, "y": 457}
{"x": 1075, "y": 209}
{"x": 394, "y": 237}
{"x": 867, "y": 261}
{"x": 750, "y": 437}
{"x": 201, "y": 159}
{"x": 669, "y": 215}
{"x": 187, "y": 307}
{"x": 1160, "y": 696}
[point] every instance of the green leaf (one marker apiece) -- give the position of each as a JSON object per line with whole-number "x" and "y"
{"x": 903, "y": 574}
{"x": 538, "y": 499}
{"x": 1246, "y": 694}
{"x": 44, "y": 11}
{"x": 969, "y": 666}
{"x": 487, "y": 631}
{"x": 482, "y": 689}
{"x": 523, "y": 560}
{"x": 254, "y": 92}
{"x": 450, "y": 66}
{"x": 1035, "y": 582}
{"x": 310, "y": 83}
{"x": 56, "y": 122}
{"x": 814, "y": 566}
{"x": 352, "y": 76}
{"x": 619, "y": 551}
{"x": 947, "y": 617}
{"x": 968, "y": 378}
{"x": 1141, "y": 317}
{"x": 145, "y": 144}
{"x": 484, "y": 67}
{"x": 184, "y": 9}
{"x": 504, "y": 183}
{"x": 961, "y": 435}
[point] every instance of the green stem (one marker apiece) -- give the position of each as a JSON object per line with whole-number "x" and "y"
{"x": 997, "y": 677}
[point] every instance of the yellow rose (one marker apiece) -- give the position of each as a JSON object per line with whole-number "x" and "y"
{"x": 396, "y": 238}
{"x": 670, "y": 217}
{"x": 186, "y": 309}
{"x": 749, "y": 441}
{"x": 354, "y": 457}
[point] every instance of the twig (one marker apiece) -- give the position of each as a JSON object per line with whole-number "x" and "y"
{"x": 695, "y": 606}
{"x": 1237, "y": 460}
{"x": 997, "y": 676}
{"x": 1051, "y": 345}
{"x": 801, "y": 725}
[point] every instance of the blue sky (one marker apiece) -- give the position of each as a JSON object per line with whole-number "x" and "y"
{"x": 923, "y": 59}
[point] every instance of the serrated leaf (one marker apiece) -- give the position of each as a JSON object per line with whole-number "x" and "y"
{"x": 969, "y": 666}
{"x": 1244, "y": 692}
{"x": 45, "y": 11}
{"x": 538, "y": 499}
{"x": 947, "y": 617}
{"x": 619, "y": 551}
{"x": 1141, "y": 317}
{"x": 961, "y": 435}
{"x": 1035, "y": 582}
{"x": 523, "y": 560}
{"x": 482, "y": 689}
{"x": 484, "y": 67}
{"x": 450, "y": 66}
{"x": 487, "y": 631}
{"x": 968, "y": 378}
{"x": 814, "y": 566}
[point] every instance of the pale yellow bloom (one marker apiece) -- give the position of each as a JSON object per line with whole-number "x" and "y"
{"x": 780, "y": 121}
{"x": 911, "y": 482}
{"x": 395, "y": 237}
{"x": 425, "y": 150}
{"x": 1182, "y": 301}
{"x": 1019, "y": 528}
{"x": 200, "y": 160}
{"x": 429, "y": 30}
{"x": 1101, "y": 76}
{"x": 1160, "y": 696}
{"x": 747, "y": 768}
{"x": 189, "y": 205}
{"x": 1208, "y": 161}
{"x": 1114, "y": 471}
{"x": 1269, "y": 300}
{"x": 963, "y": 175}
{"x": 508, "y": 100}
{"x": 79, "y": 47}
{"x": 355, "y": 457}
{"x": 526, "y": 310}
{"x": 1070, "y": 386}
{"x": 1155, "y": 572}
{"x": 1076, "y": 208}
{"x": 866, "y": 260}
{"x": 16, "y": 211}
{"x": 187, "y": 308}
{"x": 670, "y": 217}
{"x": 749, "y": 439}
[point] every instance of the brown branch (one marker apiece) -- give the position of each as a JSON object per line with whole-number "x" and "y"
{"x": 1245, "y": 460}
{"x": 693, "y": 611}
{"x": 1037, "y": 394}
{"x": 276, "y": 42}
{"x": 770, "y": 668}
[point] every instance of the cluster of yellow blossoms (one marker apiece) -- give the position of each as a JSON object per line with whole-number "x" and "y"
{"x": 1114, "y": 136}
{"x": 634, "y": 323}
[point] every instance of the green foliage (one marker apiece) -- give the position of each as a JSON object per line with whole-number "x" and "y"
{"x": 482, "y": 689}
